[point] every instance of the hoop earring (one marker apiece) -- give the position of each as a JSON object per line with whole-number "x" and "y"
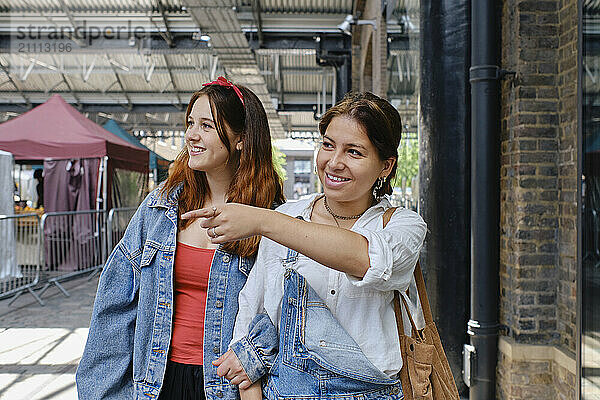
{"x": 377, "y": 187}
{"x": 315, "y": 168}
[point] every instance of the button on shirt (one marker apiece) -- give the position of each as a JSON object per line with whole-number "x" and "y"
{"x": 364, "y": 307}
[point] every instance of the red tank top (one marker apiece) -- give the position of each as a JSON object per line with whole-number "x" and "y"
{"x": 190, "y": 285}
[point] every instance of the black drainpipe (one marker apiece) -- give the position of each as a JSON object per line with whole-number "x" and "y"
{"x": 485, "y": 75}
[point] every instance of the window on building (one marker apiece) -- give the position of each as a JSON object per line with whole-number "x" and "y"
{"x": 590, "y": 289}
{"x": 302, "y": 166}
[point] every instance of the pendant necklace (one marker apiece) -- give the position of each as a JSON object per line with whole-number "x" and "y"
{"x": 336, "y": 216}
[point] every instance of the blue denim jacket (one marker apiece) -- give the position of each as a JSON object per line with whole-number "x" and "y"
{"x": 130, "y": 332}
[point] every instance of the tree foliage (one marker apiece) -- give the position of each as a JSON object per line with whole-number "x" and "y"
{"x": 408, "y": 162}
{"x": 279, "y": 163}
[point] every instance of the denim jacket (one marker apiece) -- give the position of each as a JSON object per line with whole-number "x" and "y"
{"x": 130, "y": 332}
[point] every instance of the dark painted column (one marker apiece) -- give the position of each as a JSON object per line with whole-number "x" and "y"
{"x": 444, "y": 170}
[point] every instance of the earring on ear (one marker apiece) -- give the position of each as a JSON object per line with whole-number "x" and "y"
{"x": 377, "y": 187}
{"x": 315, "y": 168}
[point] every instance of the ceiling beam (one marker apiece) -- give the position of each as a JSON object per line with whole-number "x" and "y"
{"x": 99, "y": 107}
{"x": 123, "y": 91}
{"x": 284, "y": 22}
{"x": 17, "y": 87}
{"x": 310, "y": 40}
{"x": 256, "y": 14}
{"x": 182, "y": 43}
{"x": 140, "y": 70}
{"x": 219, "y": 20}
{"x": 167, "y": 35}
{"x": 66, "y": 82}
{"x": 179, "y": 102}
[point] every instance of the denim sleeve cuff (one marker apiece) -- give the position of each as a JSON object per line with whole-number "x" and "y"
{"x": 250, "y": 359}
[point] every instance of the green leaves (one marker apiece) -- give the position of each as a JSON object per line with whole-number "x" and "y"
{"x": 279, "y": 163}
{"x": 408, "y": 162}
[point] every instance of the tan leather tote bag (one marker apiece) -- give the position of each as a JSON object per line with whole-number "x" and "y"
{"x": 425, "y": 373}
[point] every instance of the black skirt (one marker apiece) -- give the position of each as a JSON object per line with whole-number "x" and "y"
{"x": 182, "y": 382}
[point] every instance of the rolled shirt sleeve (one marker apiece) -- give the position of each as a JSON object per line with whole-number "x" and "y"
{"x": 257, "y": 350}
{"x": 393, "y": 252}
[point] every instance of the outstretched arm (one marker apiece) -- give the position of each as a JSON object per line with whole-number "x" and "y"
{"x": 334, "y": 247}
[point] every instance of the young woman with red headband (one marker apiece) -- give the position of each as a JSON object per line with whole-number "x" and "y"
{"x": 168, "y": 296}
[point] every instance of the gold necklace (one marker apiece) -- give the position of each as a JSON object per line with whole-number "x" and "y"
{"x": 336, "y": 216}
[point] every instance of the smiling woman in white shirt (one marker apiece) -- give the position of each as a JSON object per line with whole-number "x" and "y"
{"x": 327, "y": 266}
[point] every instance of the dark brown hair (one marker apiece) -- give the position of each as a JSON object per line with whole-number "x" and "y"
{"x": 380, "y": 120}
{"x": 254, "y": 182}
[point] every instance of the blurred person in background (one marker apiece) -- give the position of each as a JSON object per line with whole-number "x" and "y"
{"x": 168, "y": 296}
{"x": 38, "y": 174}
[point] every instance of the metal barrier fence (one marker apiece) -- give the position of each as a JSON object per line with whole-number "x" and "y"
{"x": 57, "y": 247}
{"x": 19, "y": 255}
{"x": 74, "y": 244}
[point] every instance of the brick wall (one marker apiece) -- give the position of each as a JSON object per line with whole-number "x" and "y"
{"x": 529, "y": 174}
{"x": 564, "y": 383}
{"x": 527, "y": 371}
{"x": 567, "y": 173}
{"x": 538, "y": 193}
{"x": 540, "y": 379}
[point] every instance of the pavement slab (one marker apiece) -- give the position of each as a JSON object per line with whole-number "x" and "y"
{"x": 40, "y": 346}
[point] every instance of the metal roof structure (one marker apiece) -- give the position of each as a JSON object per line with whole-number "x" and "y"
{"x": 138, "y": 62}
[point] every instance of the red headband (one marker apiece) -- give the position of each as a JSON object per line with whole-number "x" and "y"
{"x": 224, "y": 82}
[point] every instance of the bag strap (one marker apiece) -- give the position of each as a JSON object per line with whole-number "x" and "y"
{"x": 398, "y": 312}
{"x": 421, "y": 290}
{"x": 387, "y": 215}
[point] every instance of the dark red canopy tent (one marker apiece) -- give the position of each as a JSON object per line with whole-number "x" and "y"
{"x": 56, "y": 131}
{"x": 85, "y": 167}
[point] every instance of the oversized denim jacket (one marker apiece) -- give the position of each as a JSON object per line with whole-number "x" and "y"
{"x": 130, "y": 332}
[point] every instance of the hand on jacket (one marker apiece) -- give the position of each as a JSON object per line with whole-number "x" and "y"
{"x": 230, "y": 367}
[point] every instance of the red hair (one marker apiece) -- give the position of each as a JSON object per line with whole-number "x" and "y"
{"x": 254, "y": 182}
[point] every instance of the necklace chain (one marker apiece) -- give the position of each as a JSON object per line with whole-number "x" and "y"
{"x": 336, "y": 216}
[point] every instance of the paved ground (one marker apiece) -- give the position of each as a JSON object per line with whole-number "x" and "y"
{"x": 41, "y": 346}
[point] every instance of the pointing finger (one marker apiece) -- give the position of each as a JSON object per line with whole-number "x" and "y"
{"x": 201, "y": 213}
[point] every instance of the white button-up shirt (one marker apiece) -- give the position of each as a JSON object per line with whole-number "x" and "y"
{"x": 364, "y": 307}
